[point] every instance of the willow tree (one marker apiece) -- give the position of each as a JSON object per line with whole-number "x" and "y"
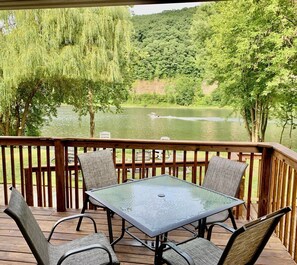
{"x": 24, "y": 58}
{"x": 93, "y": 48}
{"x": 48, "y": 56}
{"x": 250, "y": 50}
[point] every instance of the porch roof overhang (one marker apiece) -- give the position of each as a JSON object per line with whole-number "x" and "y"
{"x": 38, "y": 4}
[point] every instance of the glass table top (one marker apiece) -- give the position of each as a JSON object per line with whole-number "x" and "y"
{"x": 159, "y": 204}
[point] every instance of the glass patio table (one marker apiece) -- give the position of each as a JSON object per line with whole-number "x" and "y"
{"x": 160, "y": 204}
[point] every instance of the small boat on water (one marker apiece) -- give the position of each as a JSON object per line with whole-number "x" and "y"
{"x": 153, "y": 115}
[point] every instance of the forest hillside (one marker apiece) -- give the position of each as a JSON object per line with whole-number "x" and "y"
{"x": 164, "y": 49}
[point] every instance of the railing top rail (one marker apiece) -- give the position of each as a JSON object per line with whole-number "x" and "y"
{"x": 224, "y": 146}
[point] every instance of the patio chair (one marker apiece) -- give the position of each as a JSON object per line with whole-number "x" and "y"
{"x": 98, "y": 171}
{"x": 159, "y": 153}
{"x": 90, "y": 249}
{"x": 223, "y": 175}
{"x": 105, "y": 135}
{"x": 244, "y": 246}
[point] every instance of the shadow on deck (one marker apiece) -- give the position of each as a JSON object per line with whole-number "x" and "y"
{"x": 14, "y": 250}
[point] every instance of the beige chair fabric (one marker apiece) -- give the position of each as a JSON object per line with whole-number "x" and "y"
{"x": 223, "y": 175}
{"x": 98, "y": 171}
{"x": 244, "y": 246}
{"x": 90, "y": 249}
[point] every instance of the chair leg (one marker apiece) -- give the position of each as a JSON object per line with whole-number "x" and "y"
{"x": 82, "y": 211}
{"x": 232, "y": 218}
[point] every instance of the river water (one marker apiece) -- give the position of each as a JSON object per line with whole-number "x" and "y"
{"x": 209, "y": 124}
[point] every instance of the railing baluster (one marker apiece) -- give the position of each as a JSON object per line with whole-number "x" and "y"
{"x": 49, "y": 177}
{"x": 21, "y": 161}
{"x": 288, "y": 202}
{"x": 293, "y": 227}
{"x": 38, "y": 179}
{"x": 12, "y": 165}
{"x": 30, "y": 170}
{"x": 194, "y": 168}
{"x": 282, "y": 199}
{"x": 75, "y": 174}
{"x": 174, "y": 163}
{"x": 153, "y": 163}
{"x": 272, "y": 202}
{"x": 4, "y": 173}
{"x": 124, "y": 173}
{"x": 184, "y": 165}
{"x": 250, "y": 185}
{"x": 163, "y": 158}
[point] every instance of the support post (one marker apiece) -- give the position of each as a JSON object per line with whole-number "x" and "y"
{"x": 29, "y": 186}
{"x": 264, "y": 185}
{"x": 60, "y": 176}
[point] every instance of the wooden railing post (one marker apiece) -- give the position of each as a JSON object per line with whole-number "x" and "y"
{"x": 264, "y": 185}
{"x": 60, "y": 176}
{"x": 29, "y": 186}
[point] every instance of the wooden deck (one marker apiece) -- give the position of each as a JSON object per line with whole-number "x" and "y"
{"x": 14, "y": 250}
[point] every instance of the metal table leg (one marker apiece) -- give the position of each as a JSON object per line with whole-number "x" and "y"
{"x": 108, "y": 212}
{"x": 156, "y": 250}
{"x": 122, "y": 233}
{"x": 202, "y": 227}
{"x": 110, "y": 232}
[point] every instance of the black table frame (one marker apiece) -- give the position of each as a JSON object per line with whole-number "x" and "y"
{"x": 161, "y": 237}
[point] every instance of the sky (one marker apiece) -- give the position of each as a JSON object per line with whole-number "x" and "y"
{"x": 152, "y": 9}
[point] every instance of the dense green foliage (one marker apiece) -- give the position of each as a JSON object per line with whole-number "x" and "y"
{"x": 163, "y": 49}
{"x": 27, "y": 91}
{"x": 79, "y": 56}
{"x": 88, "y": 58}
{"x": 250, "y": 49}
{"x": 182, "y": 91}
{"x": 163, "y": 45}
{"x": 97, "y": 42}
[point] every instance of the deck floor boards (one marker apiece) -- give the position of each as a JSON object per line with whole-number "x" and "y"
{"x": 14, "y": 250}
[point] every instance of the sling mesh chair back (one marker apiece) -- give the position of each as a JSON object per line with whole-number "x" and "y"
{"x": 223, "y": 175}
{"x": 244, "y": 246}
{"x": 98, "y": 171}
{"x": 91, "y": 249}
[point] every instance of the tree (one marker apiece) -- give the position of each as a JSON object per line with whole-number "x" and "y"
{"x": 286, "y": 112}
{"x": 26, "y": 96}
{"x": 250, "y": 50}
{"x": 35, "y": 104}
{"x": 96, "y": 51}
{"x": 183, "y": 90}
{"x": 81, "y": 49}
{"x": 163, "y": 45}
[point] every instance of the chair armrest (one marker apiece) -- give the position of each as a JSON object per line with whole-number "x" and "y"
{"x": 82, "y": 249}
{"x": 128, "y": 180}
{"x": 70, "y": 218}
{"x": 223, "y": 225}
{"x": 175, "y": 248}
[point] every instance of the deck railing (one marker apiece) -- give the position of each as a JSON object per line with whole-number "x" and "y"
{"x": 47, "y": 172}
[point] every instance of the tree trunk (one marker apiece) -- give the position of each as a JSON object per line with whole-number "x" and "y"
{"x": 264, "y": 120}
{"x": 245, "y": 114}
{"x": 253, "y": 124}
{"x": 256, "y": 119}
{"x": 282, "y": 131}
{"x": 92, "y": 114}
{"x": 92, "y": 124}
